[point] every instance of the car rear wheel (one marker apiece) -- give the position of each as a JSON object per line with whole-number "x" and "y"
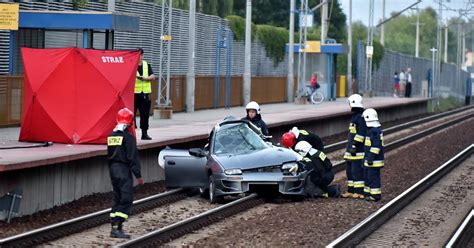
{"x": 212, "y": 191}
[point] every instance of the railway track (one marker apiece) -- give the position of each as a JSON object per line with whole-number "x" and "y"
{"x": 62, "y": 229}
{"x": 463, "y": 235}
{"x": 183, "y": 227}
{"x": 55, "y": 231}
{"x": 372, "y": 223}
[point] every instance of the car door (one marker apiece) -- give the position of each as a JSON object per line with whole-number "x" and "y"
{"x": 185, "y": 171}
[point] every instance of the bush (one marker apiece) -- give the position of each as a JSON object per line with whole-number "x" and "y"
{"x": 274, "y": 40}
{"x": 237, "y": 25}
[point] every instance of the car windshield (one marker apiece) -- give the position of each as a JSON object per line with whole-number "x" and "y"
{"x": 237, "y": 139}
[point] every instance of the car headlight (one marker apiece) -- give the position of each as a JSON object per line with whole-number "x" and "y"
{"x": 288, "y": 166}
{"x": 233, "y": 172}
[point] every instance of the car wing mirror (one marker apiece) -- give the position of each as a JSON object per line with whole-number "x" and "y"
{"x": 197, "y": 152}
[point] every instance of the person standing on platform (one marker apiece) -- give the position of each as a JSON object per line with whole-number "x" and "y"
{"x": 354, "y": 154}
{"x": 142, "y": 94}
{"x": 396, "y": 86}
{"x": 122, "y": 155}
{"x": 374, "y": 156}
{"x": 402, "y": 83}
{"x": 409, "y": 81}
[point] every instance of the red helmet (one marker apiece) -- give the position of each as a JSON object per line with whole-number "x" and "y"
{"x": 288, "y": 139}
{"x": 125, "y": 116}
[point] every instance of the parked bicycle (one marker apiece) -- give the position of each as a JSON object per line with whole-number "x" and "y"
{"x": 314, "y": 95}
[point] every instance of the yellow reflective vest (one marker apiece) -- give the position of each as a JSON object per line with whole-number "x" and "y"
{"x": 140, "y": 85}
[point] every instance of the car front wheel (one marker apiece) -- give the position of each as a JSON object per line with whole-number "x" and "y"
{"x": 212, "y": 191}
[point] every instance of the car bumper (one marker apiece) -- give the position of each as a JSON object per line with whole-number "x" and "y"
{"x": 286, "y": 184}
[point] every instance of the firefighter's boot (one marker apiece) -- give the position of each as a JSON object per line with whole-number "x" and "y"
{"x": 145, "y": 135}
{"x": 117, "y": 231}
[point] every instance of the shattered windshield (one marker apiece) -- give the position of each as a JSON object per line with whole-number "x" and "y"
{"x": 237, "y": 139}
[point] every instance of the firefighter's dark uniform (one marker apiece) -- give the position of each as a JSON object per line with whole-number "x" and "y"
{"x": 373, "y": 162}
{"x": 354, "y": 154}
{"x": 142, "y": 96}
{"x": 258, "y": 122}
{"x": 311, "y": 138}
{"x": 321, "y": 174}
{"x": 123, "y": 160}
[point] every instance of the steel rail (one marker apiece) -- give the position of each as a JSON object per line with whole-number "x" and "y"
{"x": 342, "y": 144}
{"x": 175, "y": 230}
{"x": 362, "y": 230}
{"x": 68, "y": 227}
{"x": 341, "y": 165}
{"x": 61, "y": 229}
{"x": 463, "y": 233}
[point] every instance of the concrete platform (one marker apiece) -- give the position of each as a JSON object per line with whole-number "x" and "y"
{"x": 60, "y": 173}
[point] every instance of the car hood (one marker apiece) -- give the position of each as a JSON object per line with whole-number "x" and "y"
{"x": 266, "y": 157}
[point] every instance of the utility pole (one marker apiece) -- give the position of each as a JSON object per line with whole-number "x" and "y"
{"x": 163, "y": 103}
{"x": 445, "y": 59}
{"x": 290, "y": 79}
{"x": 349, "y": 54}
{"x": 111, "y": 5}
{"x": 369, "y": 50}
{"x": 430, "y": 87}
{"x": 382, "y": 32}
{"x": 190, "y": 80}
{"x": 417, "y": 46}
{"x": 324, "y": 22}
{"x": 247, "y": 72}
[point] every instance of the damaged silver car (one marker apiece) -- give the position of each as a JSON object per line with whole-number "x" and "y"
{"x": 236, "y": 160}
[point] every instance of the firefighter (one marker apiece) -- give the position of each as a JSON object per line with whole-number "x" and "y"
{"x": 374, "y": 155}
{"x": 320, "y": 175}
{"x": 122, "y": 155}
{"x": 289, "y": 139}
{"x": 142, "y": 94}
{"x": 254, "y": 116}
{"x": 354, "y": 154}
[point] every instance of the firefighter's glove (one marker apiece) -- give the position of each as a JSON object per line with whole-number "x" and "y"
{"x": 353, "y": 150}
{"x": 140, "y": 181}
{"x": 370, "y": 162}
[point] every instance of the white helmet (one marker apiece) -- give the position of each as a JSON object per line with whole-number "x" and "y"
{"x": 295, "y": 131}
{"x": 253, "y": 105}
{"x": 355, "y": 101}
{"x": 371, "y": 118}
{"x": 303, "y": 147}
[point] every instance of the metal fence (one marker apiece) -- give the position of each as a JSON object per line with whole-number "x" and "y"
{"x": 148, "y": 37}
{"x": 452, "y": 82}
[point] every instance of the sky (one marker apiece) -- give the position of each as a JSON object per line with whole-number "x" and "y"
{"x": 360, "y": 8}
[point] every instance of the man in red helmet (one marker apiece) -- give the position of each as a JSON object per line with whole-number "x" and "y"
{"x": 122, "y": 155}
{"x": 289, "y": 139}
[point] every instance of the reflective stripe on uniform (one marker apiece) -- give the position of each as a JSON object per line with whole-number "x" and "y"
{"x": 325, "y": 195}
{"x": 375, "y": 191}
{"x": 119, "y": 214}
{"x": 376, "y": 163}
{"x": 304, "y": 132}
{"x": 352, "y": 128}
{"x": 358, "y": 156}
{"x": 366, "y": 189}
{"x": 367, "y": 141}
{"x": 359, "y": 138}
{"x": 375, "y": 150}
{"x": 350, "y": 183}
{"x": 359, "y": 184}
